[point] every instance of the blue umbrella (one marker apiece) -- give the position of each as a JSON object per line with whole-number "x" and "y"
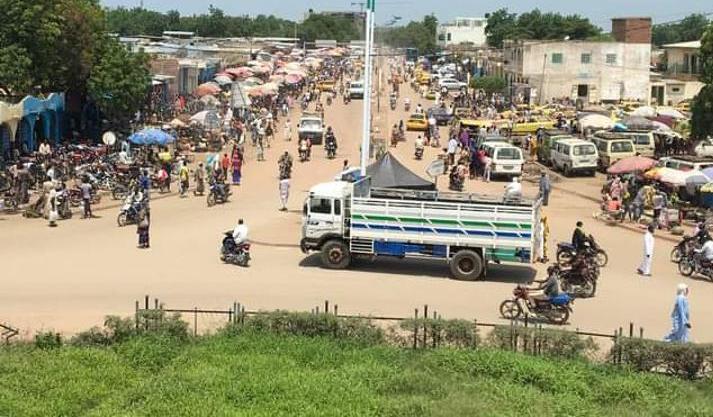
{"x": 620, "y": 127}
{"x": 151, "y": 136}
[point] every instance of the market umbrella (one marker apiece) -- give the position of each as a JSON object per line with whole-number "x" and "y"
{"x": 281, "y": 71}
{"x": 637, "y": 123}
{"x": 695, "y": 180}
{"x": 279, "y": 79}
{"x": 240, "y": 72}
{"x": 151, "y": 136}
{"x": 631, "y": 164}
{"x": 227, "y": 74}
{"x": 270, "y": 87}
{"x": 708, "y": 172}
{"x": 253, "y": 81}
{"x": 293, "y": 79}
{"x": 223, "y": 79}
{"x": 644, "y": 111}
{"x": 210, "y": 100}
{"x": 670, "y": 112}
{"x": 595, "y": 121}
{"x": 293, "y": 66}
{"x": 662, "y": 127}
{"x": 207, "y": 88}
{"x": 207, "y": 118}
{"x": 672, "y": 176}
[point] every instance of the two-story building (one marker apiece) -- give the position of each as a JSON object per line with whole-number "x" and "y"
{"x": 678, "y": 80}
{"x": 586, "y": 71}
{"x": 463, "y": 30}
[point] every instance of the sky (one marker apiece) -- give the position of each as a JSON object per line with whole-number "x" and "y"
{"x": 598, "y": 11}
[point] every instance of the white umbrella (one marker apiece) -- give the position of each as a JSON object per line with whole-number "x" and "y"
{"x": 661, "y": 127}
{"x": 670, "y": 112}
{"x": 595, "y": 121}
{"x": 644, "y": 111}
{"x": 223, "y": 79}
{"x": 175, "y": 123}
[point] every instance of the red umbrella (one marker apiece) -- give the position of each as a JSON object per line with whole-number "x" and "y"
{"x": 292, "y": 78}
{"x": 632, "y": 164}
{"x": 227, "y": 74}
{"x": 207, "y": 88}
{"x": 241, "y": 72}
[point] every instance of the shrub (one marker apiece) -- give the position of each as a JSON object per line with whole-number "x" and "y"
{"x": 48, "y": 340}
{"x": 311, "y": 325}
{"x": 117, "y": 329}
{"x": 547, "y": 342}
{"x": 685, "y": 360}
{"x": 440, "y": 332}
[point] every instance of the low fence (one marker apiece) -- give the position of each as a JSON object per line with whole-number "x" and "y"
{"x": 422, "y": 327}
{"x": 7, "y": 332}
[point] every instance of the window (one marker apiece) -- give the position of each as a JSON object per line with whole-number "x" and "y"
{"x": 449, "y": 36}
{"x": 602, "y": 146}
{"x": 583, "y": 150}
{"x": 477, "y": 23}
{"x": 586, "y": 58}
{"x": 643, "y": 140}
{"x": 511, "y": 154}
{"x": 675, "y": 89}
{"x": 622, "y": 147}
{"x": 441, "y": 37}
{"x": 557, "y": 58}
{"x": 320, "y": 205}
{"x": 337, "y": 207}
{"x": 611, "y": 59}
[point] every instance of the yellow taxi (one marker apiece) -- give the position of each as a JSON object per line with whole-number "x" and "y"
{"x": 531, "y": 127}
{"x": 325, "y": 85}
{"x": 430, "y": 95}
{"x": 417, "y": 121}
{"x": 424, "y": 78}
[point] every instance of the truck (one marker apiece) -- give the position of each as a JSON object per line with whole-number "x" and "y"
{"x": 343, "y": 220}
{"x": 311, "y": 126}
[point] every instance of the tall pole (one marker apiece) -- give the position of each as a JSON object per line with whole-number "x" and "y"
{"x": 366, "y": 122}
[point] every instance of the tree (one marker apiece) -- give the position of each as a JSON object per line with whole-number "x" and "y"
{"x": 537, "y": 25}
{"x": 421, "y": 35}
{"x": 15, "y": 70}
{"x": 690, "y": 28}
{"x": 489, "y": 84}
{"x": 119, "y": 81}
{"x": 702, "y": 118}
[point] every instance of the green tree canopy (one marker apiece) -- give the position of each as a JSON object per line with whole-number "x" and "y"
{"x": 489, "y": 84}
{"x": 690, "y": 28}
{"x": 702, "y": 119}
{"x": 504, "y": 25}
{"x": 421, "y": 35}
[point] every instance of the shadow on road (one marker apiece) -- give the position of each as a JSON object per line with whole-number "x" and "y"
{"x": 509, "y": 274}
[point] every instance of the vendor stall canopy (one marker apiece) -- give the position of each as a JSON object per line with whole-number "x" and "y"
{"x": 388, "y": 172}
{"x": 151, "y": 136}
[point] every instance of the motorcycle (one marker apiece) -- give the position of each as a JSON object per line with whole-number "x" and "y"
{"x": 556, "y": 310}
{"x": 407, "y": 106}
{"x": 347, "y": 99}
{"x": 63, "y": 207}
{"x": 684, "y": 248}
{"x": 418, "y": 154}
{"x": 217, "y": 194}
{"x": 331, "y": 149}
{"x": 566, "y": 251}
{"x": 129, "y": 213}
{"x": 232, "y": 253}
{"x": 455, "y": 182}
{"x": 75, "y": 197}
{"x": 392, "y": 103}
{"x": 695, "y": 264}
{"x": 329, "y": 100}
{"x": 163, "y": 186}
{"x": 580, "y": 281}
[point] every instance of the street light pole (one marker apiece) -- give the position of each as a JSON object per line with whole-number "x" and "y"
{"x": 366, "y": 122}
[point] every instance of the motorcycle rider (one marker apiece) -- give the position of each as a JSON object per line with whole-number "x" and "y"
{"x": 701, "y": 233}
{"x": 579, "y": 238}
{"x": 304, "y": 148}
{"x": 513, "y": 190}
{"x": 546, "y": 289}
{"x": 419, "y": 145}
{"x": 240, "y": 233}
{"x": 330, "y": 141}
{"x": 707, "y": 251}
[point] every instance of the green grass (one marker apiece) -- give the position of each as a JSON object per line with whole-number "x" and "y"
{"x": 271, "y": 375}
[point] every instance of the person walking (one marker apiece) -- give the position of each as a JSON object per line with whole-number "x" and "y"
{"x": 284, "y": 193}
{"x": 487, "y": 168}
{"x": 237, "y": 166}
{"x": 680, "y": 316}
{"x": 142, "y": 228}
{"x": 645, "y": 267}
{"x": 288, "y": 130}
{"x": 545, "y": 188}
{"x": 199, "y": 178}
{"x": 86, "y": 190}
{"x": 183, "y": 175}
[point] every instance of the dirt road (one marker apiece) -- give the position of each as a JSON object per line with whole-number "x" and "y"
{"x": 68, "y": 278}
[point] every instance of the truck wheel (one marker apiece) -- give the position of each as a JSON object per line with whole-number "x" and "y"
{"x": 466, "y": 265}
{"x": 335, "y": 255}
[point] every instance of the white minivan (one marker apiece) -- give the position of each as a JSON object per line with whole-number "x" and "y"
{"x": 507, "y": 160}
{"x": 574, "y": 155}
{"x": 644, "y": 142}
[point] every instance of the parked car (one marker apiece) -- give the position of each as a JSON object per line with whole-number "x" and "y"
{"x": 574, "y": 155}
{"x": 612, "y": 147}
{"x": 451, "y": 84}
{"x": 417, "y": 121}
{"x": 507, "y": 160}
{"x": 356, "y": 89}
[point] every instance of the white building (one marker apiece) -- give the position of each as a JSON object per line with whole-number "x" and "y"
{"x": 679, "y": 80}
{"x": 581, "y": 70}
{"x": 469, "y": 30}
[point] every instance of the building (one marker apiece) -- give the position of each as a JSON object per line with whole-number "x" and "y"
{"x": 24, "y": 124}
{"x": 586, "y": 71}
{"x": 468, "y": 30}
{"x": 679, "y": 80}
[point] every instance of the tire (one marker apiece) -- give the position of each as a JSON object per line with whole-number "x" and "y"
{"x": 676, "y": 255}
{"x": 510, "y": 309}
{"x": 121, "y": 219}
{"x": 564, "y": 257}
{"x": 602, "y": 258}
{"x": 466, "y": 265}
{"x": 685, "y": 267}
{"x": 210, "y": 199}
{"x": 560, "y": 315}
{"x": 335, "y": 255}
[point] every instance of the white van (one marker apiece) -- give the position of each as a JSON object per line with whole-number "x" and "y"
{"x": 574, "y": 155}
{"x": 356, "y": 89}
{"x": 644, "y": 142}
{"x": 507, "y": 160}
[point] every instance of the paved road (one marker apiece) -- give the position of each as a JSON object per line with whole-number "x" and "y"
{"x": 69, "y": 277}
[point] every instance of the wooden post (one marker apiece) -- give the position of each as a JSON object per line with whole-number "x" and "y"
{"x": 475, "y": 333}
{"x": 435, "y": 335}
{"x": 326, "y": 306}
{"x": 136, "y": 314}
{"x": 195, "y": 321}
{"x": 146, "y": 302}
{"x": 641, "y": 332}
{"x": 631, "y": 329}
{"x": 242, "y": 315}
{"x": 415, "y": 328}
{"x": 336, "y": 309}
{"x": 425, "y": 324}
{"x": 316, "y": 310}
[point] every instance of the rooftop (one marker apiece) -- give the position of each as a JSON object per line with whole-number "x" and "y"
{"x": 688, "y": 45}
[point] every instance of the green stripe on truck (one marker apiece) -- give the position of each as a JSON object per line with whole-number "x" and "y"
{"x": 416, "y": 220}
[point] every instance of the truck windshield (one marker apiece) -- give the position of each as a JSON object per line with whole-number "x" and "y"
{"x": 320, "y": 205}
{"x": 583, "y": 150}
{"x": 311, "y": 124}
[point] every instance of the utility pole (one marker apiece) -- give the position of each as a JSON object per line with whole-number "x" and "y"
{"x": 366, "y": 126}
